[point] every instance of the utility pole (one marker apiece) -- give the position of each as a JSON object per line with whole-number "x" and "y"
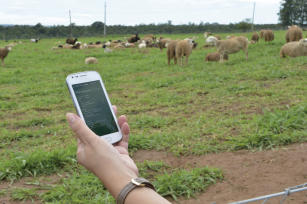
{"x": 70, "y": 24}
{"x": 105, "y": 18}
{"x": 253, "y": 17}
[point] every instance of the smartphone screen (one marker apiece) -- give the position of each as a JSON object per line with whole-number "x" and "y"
{"x": 94, "y": 107}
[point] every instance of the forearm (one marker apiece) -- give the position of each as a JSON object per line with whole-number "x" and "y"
{"x": 143, "y": 195}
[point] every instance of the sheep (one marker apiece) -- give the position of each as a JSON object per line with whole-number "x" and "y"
{"x": 142, "y": 44}
{"x": 211, "y": 40}
{"x": 71, "y": 41}
{"x": 4, "y": 52}
{"x": 77, "y": 45}
{"x": 261, "y": 33}
{"x": 106, "y": 49}
{"x": 193, "y": 42}
{"x": 91, "y": 60}
{"x": 215, "y": 56}
{"x": 183, "y": 48}
{"x": 162, "y": 43}
{"x": 34, "y": 40}
{"x": 94, "y": 46}
{"x": 206, "y": 34}
{"x": 171, "y": 51}
{"x": 294, "y": 33}
{"x": 150, "y": 36}
{"x": 294, "y": 49}
{"x": 134, "y": 38}
{"x": 129, "y": 45}
{"x": 268, "y": 35}
{"x": 255, "y": 37}
{"x": 233, "y": 45}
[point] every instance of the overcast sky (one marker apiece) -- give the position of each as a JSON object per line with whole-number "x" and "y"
{"x": 132, "y": 12}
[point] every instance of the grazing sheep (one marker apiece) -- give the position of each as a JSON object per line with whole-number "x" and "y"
{"x": 150, "y": 36}
{"x": 71, "y": 41}
{"x": 4, "y": 52}
{"x": 268, "y": 35}
{"x": 162, "y": 43}
{"x": 91, "y": 60}
{"x": 134, "y": 38}
{"x": 232, "y": 45}
{"x": 294, "y": 49}
{"x": 215, "y": 57}
{"x": 255, "y": 37}
{"x": 183, "y": 48}
{"x": 171, "y": 51}
{"x": 294, "y": 33}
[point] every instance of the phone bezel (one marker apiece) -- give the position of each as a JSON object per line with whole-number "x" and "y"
{"x": 88, "y": 76}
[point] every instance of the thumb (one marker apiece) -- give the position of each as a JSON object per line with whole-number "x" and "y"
{"x": 81, "y": 130}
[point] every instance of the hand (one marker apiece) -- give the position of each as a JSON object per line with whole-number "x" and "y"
{"x": 111, "y": 164}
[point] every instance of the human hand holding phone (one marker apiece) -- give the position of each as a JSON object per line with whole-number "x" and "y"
{"x": 110, "y": 163}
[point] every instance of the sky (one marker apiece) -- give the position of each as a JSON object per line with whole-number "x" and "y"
{"x": 133, "y": 12}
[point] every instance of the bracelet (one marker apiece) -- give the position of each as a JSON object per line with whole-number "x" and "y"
{"x": 134, "y": 183}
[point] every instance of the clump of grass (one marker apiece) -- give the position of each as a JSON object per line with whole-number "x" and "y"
{"x": 23, "y": 194}
{"x": 280, "y": 127}
{"x": 79, "y": 188}
{"x": 149, "y": 169}
{"x": 184, "y": 183}
{"x": 36, "y": 163}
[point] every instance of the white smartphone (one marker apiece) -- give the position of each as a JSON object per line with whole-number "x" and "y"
{"x": 93, "y": 105}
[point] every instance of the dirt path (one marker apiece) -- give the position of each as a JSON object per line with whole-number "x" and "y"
{"x": 247, "y": 174}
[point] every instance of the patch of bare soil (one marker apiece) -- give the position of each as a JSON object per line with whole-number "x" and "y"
{"x": 246, "y": 174}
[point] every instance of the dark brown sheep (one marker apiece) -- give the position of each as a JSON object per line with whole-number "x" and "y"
{"x": 134, "y": 38}
{"x": 4, "y": 52}
{"x": 268, "y": 35}
{"x": 255, "y": 37}
{"x": 71, "y": 41}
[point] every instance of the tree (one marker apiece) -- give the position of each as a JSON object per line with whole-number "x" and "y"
{"x": 293, "y": 12}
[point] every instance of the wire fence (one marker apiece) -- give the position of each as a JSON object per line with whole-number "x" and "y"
{"x": 285, "y": 194}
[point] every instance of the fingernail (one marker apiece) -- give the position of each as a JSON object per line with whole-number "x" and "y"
{"x": 71, "y": 118}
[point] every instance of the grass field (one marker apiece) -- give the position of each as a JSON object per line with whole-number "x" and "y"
{"x": 193, "y": 110}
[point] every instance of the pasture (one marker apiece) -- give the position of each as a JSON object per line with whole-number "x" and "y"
{"x": 192, "y": 127}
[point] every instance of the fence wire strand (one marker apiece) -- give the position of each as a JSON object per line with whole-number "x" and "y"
{"x": 285, "y": 194}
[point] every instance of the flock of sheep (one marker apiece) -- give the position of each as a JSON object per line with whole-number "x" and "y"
{"x": 295, "y": 45}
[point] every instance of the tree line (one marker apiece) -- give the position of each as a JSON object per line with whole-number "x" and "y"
{"x": 97, "y": 29}
{"x": 291, "y": 12}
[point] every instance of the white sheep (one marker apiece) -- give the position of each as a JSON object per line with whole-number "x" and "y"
{"x": 232, "y": 45}
{"x": 211, "y": 40}
{"x": 142, "y": 44}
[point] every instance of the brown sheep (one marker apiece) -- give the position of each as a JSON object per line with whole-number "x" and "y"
{"x": 162, "y": 43}
{"x": 134, "y": 38}
{"x": 71, "y": 41}
{"x": 294, "y": 49}
{"x": 268, "y": 35}
{"x": 294, "y": 33}
{"x": 4, "y": 52}
{"x": 255, "y": 37}
{"x": 183, "y": 48}
{"x": 151, "y": 36}
{"x": 171, "y": 51}
{"x": 232, "y": 45}
{"x": 261, "y": 33}
{"x": 215, "y": 57}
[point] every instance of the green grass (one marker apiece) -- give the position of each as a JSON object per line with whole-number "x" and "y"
{"x": 193, "y": 110}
